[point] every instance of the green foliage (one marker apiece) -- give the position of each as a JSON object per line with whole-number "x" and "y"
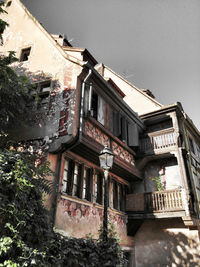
{"x": 111, "y": 253}
{"x": 24, "y": 223}
{"x": 158, "y": 181}
{"x": 3, "y": 24}
{"x": 79, "y": 252}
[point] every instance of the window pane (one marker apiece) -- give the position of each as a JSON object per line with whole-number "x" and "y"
{"x": 115, "y": 195}
{"x": 66, "y": 178}
{"x": 94, "y": 107}
{"x": 84, "y": 184}
{"x": 99, "y": 188}
{"x": 100, "y": 115}
{"x": 76, "y": 182}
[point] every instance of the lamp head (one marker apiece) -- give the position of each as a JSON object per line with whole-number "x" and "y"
{"x": 106, "y": 157}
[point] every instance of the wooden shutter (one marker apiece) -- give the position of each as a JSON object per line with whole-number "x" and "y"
{"x": 124, "y": 129}
{"x": 116, "y": 123}
{"x": 133, "y": 135}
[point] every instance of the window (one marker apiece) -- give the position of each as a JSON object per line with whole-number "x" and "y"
{"x": 87, "y": 175}
{"x": 43, "y": 89}
{"x": 127, "y": 132}
{"x": 25, "y": 54}
{"x": 119, "y": 195}
{"x": 9, "y": 3}
{"x": 97, "y": 107}
{"x": 77, "y": 180}
{"x": 191, "y": 146}
{"x": 198, "y": 151}
{"x": 99, "y": 188}
{"x": 65, "y": 185}
{"x": 94, "y": 104}
{"x": 115, "y": 195}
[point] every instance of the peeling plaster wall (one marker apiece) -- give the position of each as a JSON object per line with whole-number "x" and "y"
{"x": 166, "y": 243}
{"x": 78, "y": 219}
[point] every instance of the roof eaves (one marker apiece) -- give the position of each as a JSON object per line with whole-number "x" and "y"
{"x": 133, "y": 86}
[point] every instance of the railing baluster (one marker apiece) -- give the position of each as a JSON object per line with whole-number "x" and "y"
{"x": 159, "y": 201}
{"x": 158, "y": 141}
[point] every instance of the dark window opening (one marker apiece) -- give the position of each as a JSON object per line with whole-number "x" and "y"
{"x": 115, "y": 195}
{"x": 99, "y": 188}
{"x": 25, "y": 54}
{"x": 9, "y": 4}
{"x": 44, "y": 91}
{"x": 66, "y": 185}
{"x": 97, "y": 108}
{"x": 94, "y": 105}
{"x": 119, "y": 196}
{"x": 87, "y": 184}
{"x": 76, "y": 180}
{"x": 191, "y": 145}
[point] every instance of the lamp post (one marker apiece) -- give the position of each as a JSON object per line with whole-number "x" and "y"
{"x": 106, "y": 157}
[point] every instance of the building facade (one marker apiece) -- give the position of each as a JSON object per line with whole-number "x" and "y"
{"x": 155, "y": 180}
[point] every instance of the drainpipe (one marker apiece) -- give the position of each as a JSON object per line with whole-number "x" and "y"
{"x": 82, "y": 99}
{"x": 57, "y": 188}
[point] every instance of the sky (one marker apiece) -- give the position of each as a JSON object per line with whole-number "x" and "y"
{"x": 155, "y": 44}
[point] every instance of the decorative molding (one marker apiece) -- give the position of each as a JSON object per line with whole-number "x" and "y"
{"x": 96, "y": 134}
{"x": 120, "y": 152}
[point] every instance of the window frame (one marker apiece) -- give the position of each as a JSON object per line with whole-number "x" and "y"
{"x": 23, "y": 54}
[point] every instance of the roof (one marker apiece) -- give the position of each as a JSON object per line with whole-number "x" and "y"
{"x": 113, "y": 84}
{"x": 147, "y": 93}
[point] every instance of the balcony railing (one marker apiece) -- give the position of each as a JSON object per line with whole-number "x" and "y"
{"x": 158, "y": 141}
{"x": 159, "y": 201}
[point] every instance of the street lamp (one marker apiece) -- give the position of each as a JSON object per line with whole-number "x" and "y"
{"x": 106, "y": 157}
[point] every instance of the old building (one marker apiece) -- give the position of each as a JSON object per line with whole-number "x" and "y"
{"x": 154, "y": 183}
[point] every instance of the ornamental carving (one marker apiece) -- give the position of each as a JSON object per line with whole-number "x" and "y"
{"x": 96, "y": 134}
{"x": 120, "y": 152}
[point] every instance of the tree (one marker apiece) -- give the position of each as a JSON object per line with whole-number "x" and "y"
{"x": 24, "y": 225}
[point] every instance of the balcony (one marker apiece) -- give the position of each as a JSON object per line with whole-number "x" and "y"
{"x": 159, "y": 204}
{"x": 158, "y": 140}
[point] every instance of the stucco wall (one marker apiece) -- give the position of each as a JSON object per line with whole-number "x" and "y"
{"x": 166, "y": 243}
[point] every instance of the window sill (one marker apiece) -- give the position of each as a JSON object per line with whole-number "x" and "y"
{"x": 79, "y": 200}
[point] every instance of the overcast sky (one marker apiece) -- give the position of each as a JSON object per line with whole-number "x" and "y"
{"x": 155, "y": 44}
